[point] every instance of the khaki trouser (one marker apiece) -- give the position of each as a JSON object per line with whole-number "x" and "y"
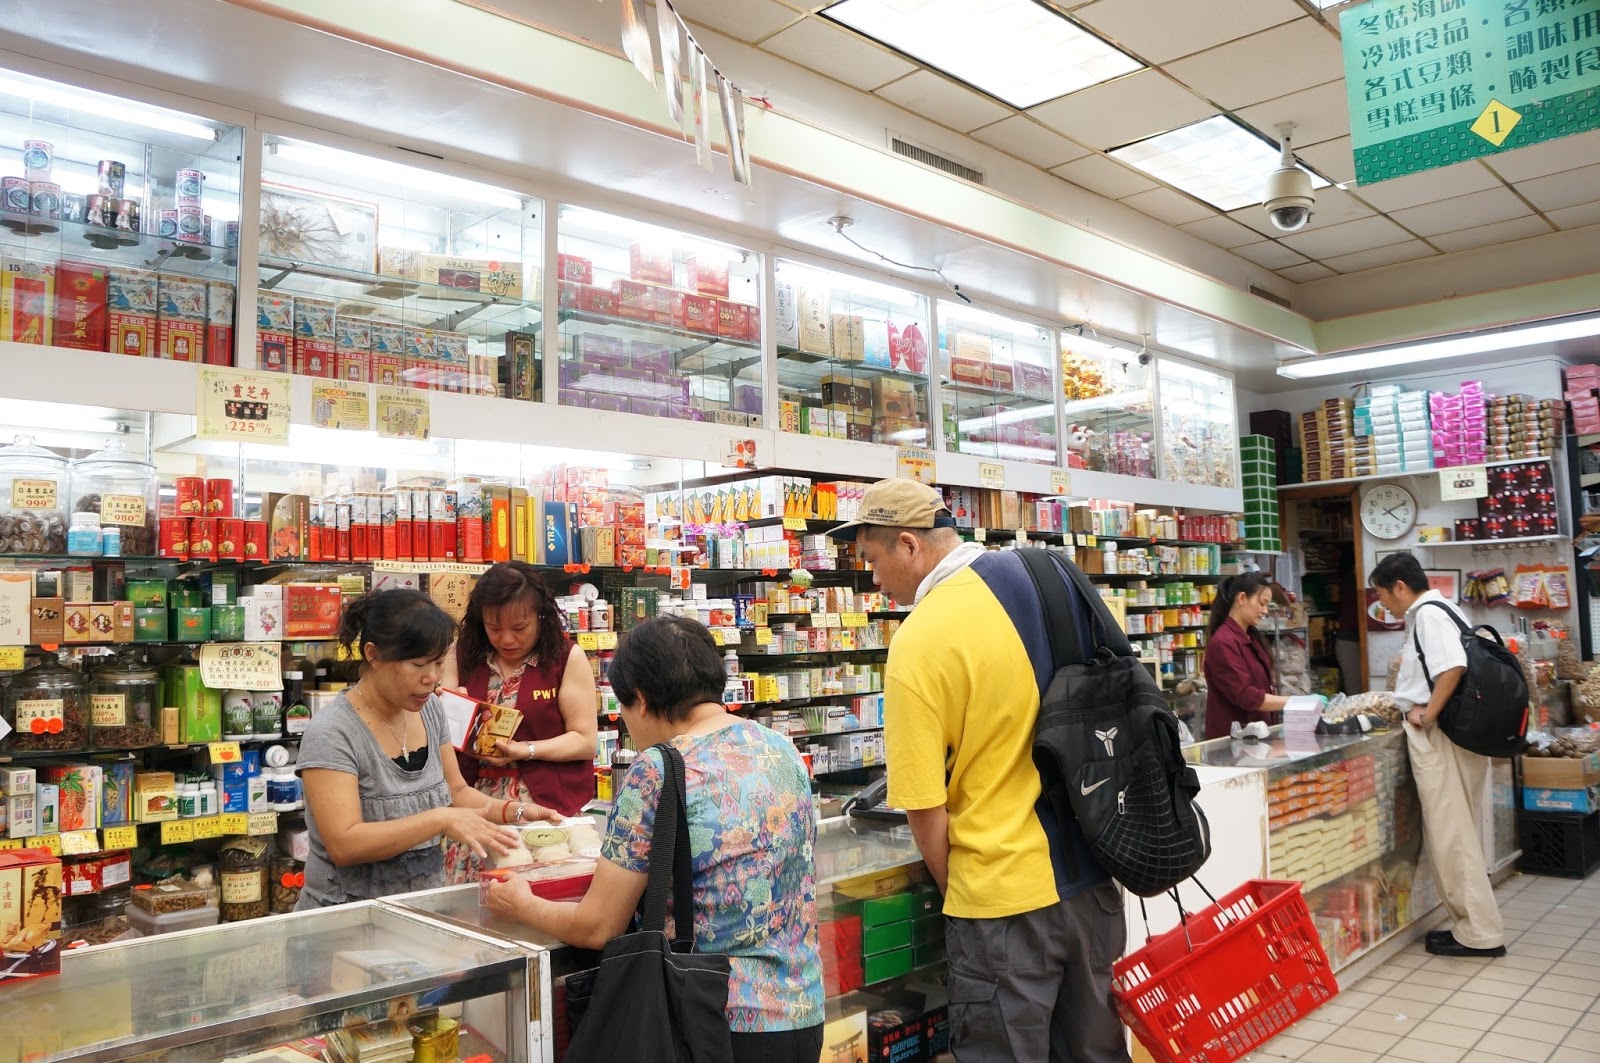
{"x": 1450, "y": 785}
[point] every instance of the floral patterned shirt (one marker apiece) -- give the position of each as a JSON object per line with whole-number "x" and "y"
{"x": 752, "y": 834}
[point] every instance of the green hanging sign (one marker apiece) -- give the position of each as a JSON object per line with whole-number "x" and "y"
{"x": 1436, "y": 82}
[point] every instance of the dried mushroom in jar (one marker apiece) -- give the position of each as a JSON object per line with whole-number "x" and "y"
{"x": 32, "y": 533}
{"x": 243, "y": 866}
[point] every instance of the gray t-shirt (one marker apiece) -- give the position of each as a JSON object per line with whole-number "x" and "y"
{"x": 339, "y": 739}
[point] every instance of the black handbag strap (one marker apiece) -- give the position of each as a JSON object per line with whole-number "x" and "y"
{"x": 671, "y": 870}
{"x": 1047, "y": 570}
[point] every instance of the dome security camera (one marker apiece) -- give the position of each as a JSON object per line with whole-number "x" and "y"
{"x": 1289, "y": 197}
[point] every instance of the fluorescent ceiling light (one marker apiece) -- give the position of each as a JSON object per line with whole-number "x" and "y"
{"x": 26, "y": 413}
{"x": 102, "y": 106}
{"x": 1457, "y": 347}
{"x": 1216, "y": 160}
{"x": 353, "y": 165}
{"x": 1019, "y": 51}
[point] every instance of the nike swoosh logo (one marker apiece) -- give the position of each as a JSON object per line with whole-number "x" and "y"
{"x": 1087, "y": 790}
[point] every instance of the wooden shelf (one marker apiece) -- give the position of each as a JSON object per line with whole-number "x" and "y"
{"x": 1523, "y": 540}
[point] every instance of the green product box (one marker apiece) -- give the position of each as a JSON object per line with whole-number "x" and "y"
{"x": 186, "y": 595}
{"x": 879, "y": 911}
{"x": 191, "y": 624}
{"x": 926, "y": 955}
{"x": 886, "y": 938}
{"x": 227, "y": 623}
{"x": 927, "y": 931}
{"x": 220, "y": 586}
{"x": 199, "y": 707}
{"x": 887, "y": 965}
{"x": 147, "y": 593}
{"x": 635, "y": 605}
{"x": 150, "y": 624}
{"x": 927, "y": 901}
{"x": 1260, "y": 480}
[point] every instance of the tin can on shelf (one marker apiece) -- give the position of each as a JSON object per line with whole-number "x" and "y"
{"x": 230, "y": 235}
{"x": 38, "y": 158}
{"x": 168, "y": 229}
{"x": 101, "y": 211}
{"x": 230, "y": 539}
{"x": 175, "y": 538}
{"x": 14, "y": 195}
{"x": 191, "y": 492}
{"x": 207, "y": 233}
{"x": 255, "y": 540}
{"x": 113, "y": 178}
{"x": 190, "y": 220}
{"x": 203, "y": 539}
{"x": 74, "y": 208}
{"x": 219, "y": 497}
{"x": 128, "y": 215}
{"x": 46, "y": 199}
{"x": 190, "y": 183}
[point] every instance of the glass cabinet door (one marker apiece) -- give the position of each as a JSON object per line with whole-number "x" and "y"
{"x": 373, "y": 271}
{"x": 658, "y": 322}
{"x": 1199, "y": 428}
{"x": 852, "y": 358}
{"x": 118, "y": 224}
{"x": 1110, "y": 408}
{"x": 998, "y": 385}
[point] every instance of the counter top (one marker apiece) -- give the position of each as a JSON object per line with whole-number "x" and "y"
{"x": 1277, "y": 751}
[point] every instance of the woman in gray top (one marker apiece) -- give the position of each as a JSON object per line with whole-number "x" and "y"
{"x": 380, "y": 774}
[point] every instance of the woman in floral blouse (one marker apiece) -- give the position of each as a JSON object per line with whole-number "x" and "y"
{"x": 752, "y": 833}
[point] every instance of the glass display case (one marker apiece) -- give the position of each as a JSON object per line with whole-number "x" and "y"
{"x": 657, "y": 322}
{"x": 1199, "y": 426}
{"x": 852, "y": 358}
{"x": 374, "y": 271}
{"x": 119, "y": 224}
{"x": 1109, "y": 407}
{"x": 227, "y": 992}
{"x": 998, "y": 385}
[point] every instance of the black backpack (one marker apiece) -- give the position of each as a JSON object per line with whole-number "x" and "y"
{"x": 1488, "y": 713}
{"x": 1108, "y": 748}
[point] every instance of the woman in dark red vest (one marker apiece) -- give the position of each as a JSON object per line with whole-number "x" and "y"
{"x": 514, "y": 650}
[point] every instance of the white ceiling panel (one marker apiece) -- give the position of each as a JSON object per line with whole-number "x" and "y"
{"x": 1334, "y": 207}
{"x": 1430, "y": 186}
{"x": 1332, "y": 159}
{"x": 1553, "y": 156}
{"x": 837, "y": 53}
{"x": 1161, "y": 30}
{"x": 1122, "y": 111}
{"x": 1275, "y": 63}
{"x": 1570, "y": 189}
{"x": 943, "y": 101}
{"x": 1576, "y": 217}
{"x": 1174, "y": 208}
{"x": 1315, "y": 242}
{"x": 1379, "y": 256}
{"x": 1308, "y": 271}
{"x": 1270, "y": 255}
{"x": 1222, "y": 232}
{"x": 744, "y": 20}
{"x": 1463, "y": 212}
{"x": 1030, "y": 141}
{"x": 1501, "y": 232}
{"x": 1319, "y": 114}
{"x": 1103, "y": 176}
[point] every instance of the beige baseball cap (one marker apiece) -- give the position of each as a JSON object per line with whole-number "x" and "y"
{"x": 898, "y": 503}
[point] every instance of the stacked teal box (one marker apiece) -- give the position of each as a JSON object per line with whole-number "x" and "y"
{"x": 1258, "y": 464}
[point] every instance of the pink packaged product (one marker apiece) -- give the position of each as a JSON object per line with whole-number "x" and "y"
{"x": 600, "y": 350}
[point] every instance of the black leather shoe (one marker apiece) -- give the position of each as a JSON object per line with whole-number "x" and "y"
{"x": 1435, "y": 936}
{"x": 1449, "y": 946}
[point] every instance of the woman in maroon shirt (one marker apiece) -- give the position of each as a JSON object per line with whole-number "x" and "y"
{"x": 1239, "y": 677}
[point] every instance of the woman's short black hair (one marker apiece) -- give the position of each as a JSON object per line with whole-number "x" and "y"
{"x": 1399, "y": 568}
{"x": 400, "y": 625}
{"x": 671, "y": 663}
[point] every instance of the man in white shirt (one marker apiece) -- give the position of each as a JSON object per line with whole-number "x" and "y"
{"x": 1450, "y": 780}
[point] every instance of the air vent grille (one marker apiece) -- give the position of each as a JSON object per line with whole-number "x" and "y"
{"x": 938, "y": 162}
{"x": 1271, "y": 297}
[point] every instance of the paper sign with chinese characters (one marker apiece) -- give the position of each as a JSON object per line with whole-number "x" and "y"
{"x": 346, "y": 406}
{"x": 242, "y": 665}
{"x": 403, "y": 413}
{"x": 1435, "y": 82}
{"x": 240, "y": 406}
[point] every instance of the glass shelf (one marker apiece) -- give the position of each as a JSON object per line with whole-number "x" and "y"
{"x": 1199, "y": 426}
{"x": 1109, "y": 408}
{"x": 998, "y": 385}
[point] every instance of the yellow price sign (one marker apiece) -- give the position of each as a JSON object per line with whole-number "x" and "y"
{"x": 606, "y": 639}
{"x": 51, "y": 842}
{"x": 588, "y": 642}
{"x": 1093, "y": 543}
{"x": 980, "y": 535}
{"x": 1022, "y": 537}
{"x": 123, "y": 837}
{"x": 174, "y": 831}
{"x": 991, "y": 474}
{"x": 207, "y": 827}
{"x": 11, "y": 658}
{"x": 716, "y": 636}
{"x": 763, "y": 636}
{"x": 852, "y": 620}
{"x": 10, "y": 843}
{"x": 1060, "y": 482}
{"x": 235, "y": 823}
{"x": 80, "y": 842}
{"x": 224, "y": 752}
{"x": 795, "y": 524}
{"x": 263, "y": 823}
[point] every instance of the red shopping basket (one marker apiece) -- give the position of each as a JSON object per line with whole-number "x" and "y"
{"x": 1227, "y": 980}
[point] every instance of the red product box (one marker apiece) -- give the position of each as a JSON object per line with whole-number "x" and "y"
{"x": 274, "y": 350}
{"x": 219, "y": 323}
{"x": 311, "y": 610}
{"x": 630, "y": 555}
{"x": 469, "y": 538}
{"x": 353, "y": 365}
{"x": 575, "y": 269}
{"x": 840, "y": 944}
{"x": 999, "y": 377}
{"x": 80, "y": 315}
{"x": 709, "y": 278}
{"x": 313, "y": 357}
{"x": 181, "y": 341}
{"x": 27, "y": 292}
{"x": 96, "y": 874}
{"x": 635, "y": 300}
{"x": 442, "y": 540}
{"x": 569, "y": 295}
{"x": 729, "y": 324}
{"x": 29, "y": 878}
{"x": 697, "y": 313}
{"x": 133, "y": 334}
{"x": 593, "y": 300}
{"x": 650, "y": 262}
{"x": 389, "y": 370}
{"x": 750, "y": 318}
{"x": 967, "y": 370}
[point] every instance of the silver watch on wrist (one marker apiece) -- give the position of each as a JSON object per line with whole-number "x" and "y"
{"x": 529, "y": 755}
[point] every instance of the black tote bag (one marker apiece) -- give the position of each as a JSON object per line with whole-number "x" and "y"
{"x": 657, "y": 1000}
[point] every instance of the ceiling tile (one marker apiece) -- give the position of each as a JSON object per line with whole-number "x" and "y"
{"x": 1160, "y": 30}
{"x": 1333, "y": 160}
{"x": 1308, "y": 271}
{"x": 1104, "y": 176}
{"x": 1256, "y": 218}
{"x": 1553, "y": 156}
{"x": 1570, "y": 189}
{"x": 943, "y": 101}
{"x": 1334, "y": 207}
{"x": 1379, "y": 256}
{"x": 825, "y": 48}
{"x": 1319, "y": 114}
{"x": 1282, "y": 60}
{"x": 1174, "y": 208}
{"x": 1576, "y": 217}
{"x": 1028, "y": 140}
{"x": 1430, "y": 186}
{"x": 1123, "y": 110}
{"x": 1269, "y": 255}
{"x": 1318, "y": 242}
{"x": 1501, "y": 232}
{"x": 1222, "y": 232}
{"x": 747, "y": 20}
{"x": 1462, "y": 212}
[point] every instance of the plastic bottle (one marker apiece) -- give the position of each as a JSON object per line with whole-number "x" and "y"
{"x": 730, "y": 662}
{"x": 207, "y": 805}
{"x": 111, "y": 541}
{"x": 188, "y": 801}
{"x": 600, "y": 615}
{"x": 83, "y": 537}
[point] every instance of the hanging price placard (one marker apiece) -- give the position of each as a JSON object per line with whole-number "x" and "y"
{"x": 339, "y": 405}
{"x": 10, "y": 658}
{"x": 242, "y": 665}
{"x": 606, "y": 639}
{"x": 796, "y": 524}
{"x": 79, "y": 842}
{"x": 235, "y": 823}
{"x": 991, "y": 474}
{"x": 207, "y": 827}
{"x": 1060, "y": 482}
{"x": 588, "y": 641}
{"x": 174, "y": 831}
{"x": 52, "y": 842}
{"x": 403, "y": 413}
{"x": 123, "y": 837}
{"x": 915, "y": 463}
{"x": 263, "y": 823}
{"x": 224, "y": 752}
{"x": 1470, "y": 481}
{"x": 763, "y": 636}
{"x": 241, "y": 406}
{"x": 853, "y": 620}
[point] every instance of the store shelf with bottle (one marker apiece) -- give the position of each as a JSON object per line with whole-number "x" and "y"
{"x": 997, "y": 386}
{"x": 1109, "y": 406}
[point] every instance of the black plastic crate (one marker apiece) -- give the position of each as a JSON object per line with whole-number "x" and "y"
{"x": 1559, "y": 843}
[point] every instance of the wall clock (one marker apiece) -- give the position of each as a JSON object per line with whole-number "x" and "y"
{"x": 1388, "y": 511}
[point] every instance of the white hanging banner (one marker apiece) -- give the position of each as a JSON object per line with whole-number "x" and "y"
{"x": 670, "y": 33}
{"x": 697, "y": 86}
{"x": 742, "y": 171}
{"x": 730, "y": 123}
{"x": 636, "y": 40}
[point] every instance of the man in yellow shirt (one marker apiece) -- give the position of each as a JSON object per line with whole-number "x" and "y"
{"x": 1034, "y": 923}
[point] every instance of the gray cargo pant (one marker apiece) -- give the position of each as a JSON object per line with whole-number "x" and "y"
{"x": 1036, "y": 987}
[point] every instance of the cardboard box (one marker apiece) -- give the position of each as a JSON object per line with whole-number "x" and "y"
{"x": 1578, "y": 801}
{"x": 80, "y": 308}
{"x": 488, "y": 276}
{"x": 311, "y": 610}
{"x": 574, "y": 269}
{"x": 30, "y": 912}
{"x": 1565, "y": 773}
{"x": 314, "y": 332}
{"x": 845, "y": 1035}
{"x": 274, "y": 332}
{"x": 96, "y": 874}
{"x": 47, "y": 621}
{"x": 180, "y": 340}
{"x": 650, "y": 262}
{"x": 519, "y": 367}
{"x": 220, "y": 302}
{"x": 27, "y": 296}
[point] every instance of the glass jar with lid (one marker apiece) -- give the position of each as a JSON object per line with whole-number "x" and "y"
{"x": 243, "y": 866}
{"x": 124, "y": 490}
{"x": 34, "y": 490}
{"x": 125, "y": 703}
{"x": 47, "y": 707}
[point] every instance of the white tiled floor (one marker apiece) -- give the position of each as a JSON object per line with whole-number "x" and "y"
{"x": 1536, "y": 1004}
